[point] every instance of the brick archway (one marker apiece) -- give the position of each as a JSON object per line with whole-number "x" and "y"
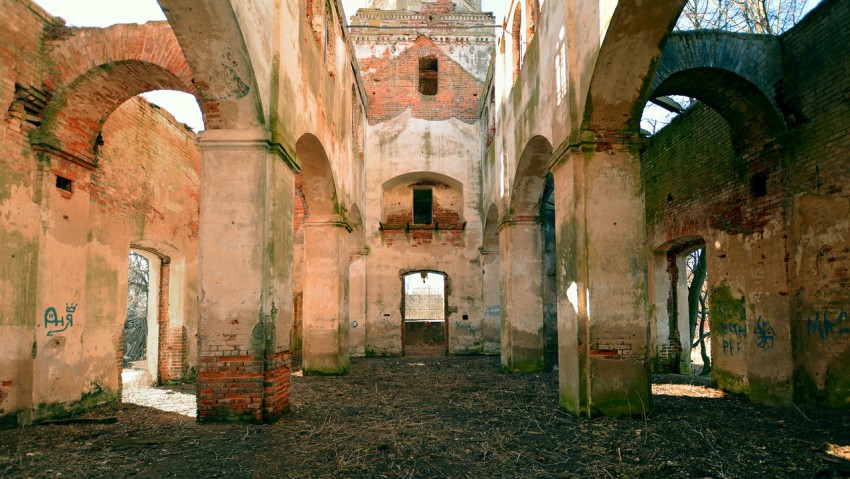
{"x": 530, "y": 178}
{"x": 733, "y": 73}
{"x": 96, "y": 70}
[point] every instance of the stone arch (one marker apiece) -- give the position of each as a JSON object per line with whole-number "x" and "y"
{"x": 734, "y": 74}
{"x": 95, "y": 71}
{"x": 751, "y": 117}
{"x": 215, "y": 49}
{"x": 317, "y": 177}
{"x": 625, "y": 63}
{"x": 756, "y": 58}
{"x": 422, "y": 175}
{"x": 530, "y": 178}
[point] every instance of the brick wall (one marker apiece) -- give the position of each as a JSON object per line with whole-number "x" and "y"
{"x": 71, "y": 246}
{"x": 694, "y": 179}
{"x": 149, "y": 179}
{"x": 392, "y": 84}
{"x": 815, "y": 92}
{"x": 776, "y": 220}
{"x": 447, "y": 224}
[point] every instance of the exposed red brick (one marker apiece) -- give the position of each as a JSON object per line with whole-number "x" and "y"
{"x": 393, "y": 86}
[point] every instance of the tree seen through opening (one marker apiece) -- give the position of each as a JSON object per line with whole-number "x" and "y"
{"x": 136, "y": 324}
{"x": 696, "y": 270}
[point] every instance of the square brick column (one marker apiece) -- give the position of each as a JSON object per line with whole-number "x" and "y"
{"x": 521, "y": 274}
{"x": 603, "y": 328}
{"x": 326, "y": 268}
{"x": 246, "y": 234}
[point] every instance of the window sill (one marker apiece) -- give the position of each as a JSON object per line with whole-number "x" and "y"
{"x": 431, "y": 227}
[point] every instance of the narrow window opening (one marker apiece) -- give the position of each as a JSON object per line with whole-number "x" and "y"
{"x": 423, "y": 201}
{"x": 64, "y": 184}
{"x": 758, "y": 185}
{"x": 428, "y": 75}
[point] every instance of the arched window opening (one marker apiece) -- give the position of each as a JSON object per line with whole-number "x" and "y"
{"x": 428, "y": 75}
{"x": 424, "y": 325}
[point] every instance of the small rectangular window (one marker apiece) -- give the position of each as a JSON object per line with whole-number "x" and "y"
{"x": 64, "y": 184}
{"x": 428, "y": 75}
{"x": 423, "y": 207}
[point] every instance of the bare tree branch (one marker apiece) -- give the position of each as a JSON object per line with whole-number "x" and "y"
{"x": 767, "y": 17}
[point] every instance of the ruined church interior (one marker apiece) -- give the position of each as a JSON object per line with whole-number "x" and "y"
{"x": 417, "y": 239}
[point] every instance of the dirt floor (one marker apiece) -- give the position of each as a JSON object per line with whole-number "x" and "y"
{"x": 449, "y": 417}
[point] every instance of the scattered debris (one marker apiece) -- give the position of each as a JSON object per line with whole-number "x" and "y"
{"x": 452, "y": 417}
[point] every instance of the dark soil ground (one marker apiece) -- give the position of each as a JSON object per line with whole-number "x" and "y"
{"x": 448, "y": 417}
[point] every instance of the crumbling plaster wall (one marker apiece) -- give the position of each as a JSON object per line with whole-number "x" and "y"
{"x": 777, "y": 258}
{"x": 818, "y": 165}
{"x": 314, "y": 80}
{"x": 68, "y": 250}
{"x": 417, "y": 139}
{"x": 449, "y": 249}
{"x": 549, "y": 96}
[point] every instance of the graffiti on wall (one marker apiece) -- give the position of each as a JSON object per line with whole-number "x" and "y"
{"x": 467, "y": 327}
{"x": 733, "y": 328}
{"x": 494, "y": 311}
{"x": 825, "y": 325}
{"x": 765, "y": 334}
{"x": 58, "y": 324}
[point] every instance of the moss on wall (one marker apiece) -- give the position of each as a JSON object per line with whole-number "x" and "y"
{"x": 18, "y": 279}
{"x": 96, "y": 396}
